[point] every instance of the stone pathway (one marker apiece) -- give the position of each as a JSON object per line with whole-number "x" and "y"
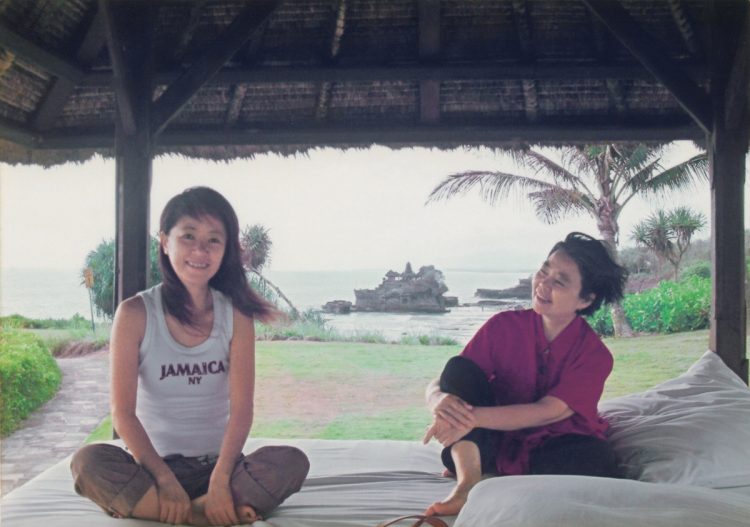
{"x": 58, "y": 428}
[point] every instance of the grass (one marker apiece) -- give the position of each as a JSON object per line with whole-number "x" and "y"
{"x": 346, "y": 390}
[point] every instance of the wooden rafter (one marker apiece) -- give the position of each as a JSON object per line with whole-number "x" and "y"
{"x": 685, "y": 25}
{"x": 334, "y": 73}
{"x": 119, "y": 19}
{"x": 235, "y": 104}
{"x": 643, "y": 47}
{"x": 737, "y": 93}
{"x": 522, "y": 23}
{"x": 48, "y": 61}
{"x": 196, "y": 8}
{"x": 15, "y": 133}
{"x": 580, "y": 131}
{"x": 209, "y": 62}
{"x": 330, "y": 56}
{"x": 429, "y": 52}
{"x": 615, "y": 89}
{"x": 61, "y": 88}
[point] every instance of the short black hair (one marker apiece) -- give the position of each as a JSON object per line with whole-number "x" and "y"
{"x": 601, "y": 275}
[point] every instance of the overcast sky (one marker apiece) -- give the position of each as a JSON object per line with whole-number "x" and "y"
{"x": 327, "y": 210}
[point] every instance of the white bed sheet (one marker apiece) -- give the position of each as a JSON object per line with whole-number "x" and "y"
{"x": 350, "y": 484}
{"x": 361, "y": 483}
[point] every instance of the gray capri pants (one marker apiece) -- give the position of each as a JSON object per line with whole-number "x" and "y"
{"x": 110, "y": 477}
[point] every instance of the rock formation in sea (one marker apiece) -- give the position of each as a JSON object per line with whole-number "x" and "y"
{"x": 522, "y": 290}
{"x": 408, "y": 291}
{"x": 338, "y": 307}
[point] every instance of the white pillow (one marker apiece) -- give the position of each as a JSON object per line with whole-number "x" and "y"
{"x": 581, "y": 501}
{"x": 694, "y": 429}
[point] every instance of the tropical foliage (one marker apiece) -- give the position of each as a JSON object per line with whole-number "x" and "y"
{"x": 670, "y": 307}
{"x": 595, "y": 179}
{"x": 668, "y": 234}
{"x": 256, "y": 253}
{"x": 29, "y": 377}
{"x": 101, "y": 261}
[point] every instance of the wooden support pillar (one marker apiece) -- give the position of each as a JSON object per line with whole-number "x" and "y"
{"x": 728, "y": 317}
{"x": 129, "y": 26}
{"x": 133, "y": 187}
{"x": 727, "y": 147}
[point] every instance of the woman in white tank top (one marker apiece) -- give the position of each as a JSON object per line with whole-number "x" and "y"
{"x": 183, "y": 375}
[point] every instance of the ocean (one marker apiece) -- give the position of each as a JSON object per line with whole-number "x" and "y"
{"x": 58, "y": 293}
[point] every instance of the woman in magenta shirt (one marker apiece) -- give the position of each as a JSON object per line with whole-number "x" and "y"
{"x": 522, "y": 396}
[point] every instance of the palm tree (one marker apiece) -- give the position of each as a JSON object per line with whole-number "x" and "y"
{"x": 596, "y": 179}
{"x": 256, "y": 253}
{"x": 668, "y": 234}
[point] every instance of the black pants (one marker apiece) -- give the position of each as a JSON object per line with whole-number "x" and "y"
{"x": 572, "y": 454}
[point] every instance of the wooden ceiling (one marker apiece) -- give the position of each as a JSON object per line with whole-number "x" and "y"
{"x": 232, "y": 78}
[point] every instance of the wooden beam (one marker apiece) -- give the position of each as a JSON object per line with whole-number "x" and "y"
{"x": 130, "y": 39}
{"x": 196, "y": 7}
{"x": 737, "y": 93}
{"x": 15, "y": 133}
{"x": 133, "y": 168}
{"x": 330, "y": 56}
{"x": 522, "y": 24}
{"x": 693, "y": 99}
{"x": 728, "y": 335}
{"x": 235, "y": 104}
{"x": 685, "y": 25}
{"x": 211, "y": 60}
{"x": 726, "y": 156}
{"x": 46, "y": 60}
{"x": 488, "y": 71}
{"x": 429, "y": 52}
{"x": 547, "y": 132}
{"x": 123, "y": 20}
{"x": 61, "y": 88}
{"x": 530, "y": 100}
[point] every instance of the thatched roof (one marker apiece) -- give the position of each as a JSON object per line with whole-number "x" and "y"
{"x": 351, "y": 73}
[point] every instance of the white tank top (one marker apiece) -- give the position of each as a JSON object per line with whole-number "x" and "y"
{"x": 183, "y": 392}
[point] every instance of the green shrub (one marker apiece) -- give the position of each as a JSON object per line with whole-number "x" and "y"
{"x": 667, "y": 308}
{"x": 21, "y": 322}
{"x": 29, "y": 377}
{"x": 701, "y": 269}
{"x": 601, "y": 321}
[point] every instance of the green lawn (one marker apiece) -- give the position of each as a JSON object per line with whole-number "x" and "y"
{"x": 344, "y": 390}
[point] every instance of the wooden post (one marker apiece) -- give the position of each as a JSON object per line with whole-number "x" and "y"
{"x": 728, "y": 314}
{"x": 727, "y": 146}
{"x": 129, "y": 27}
{"x": 133, "y": 184}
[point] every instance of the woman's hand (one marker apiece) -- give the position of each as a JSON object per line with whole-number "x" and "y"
{"x": 174, "y": 503}
{"x": 445, "y": 433}
{"x": 455, "y": 411}
{"x": 219, "y": 508}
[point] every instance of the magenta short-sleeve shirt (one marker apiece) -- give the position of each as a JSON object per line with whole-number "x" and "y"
{"x": 522, "y": 367}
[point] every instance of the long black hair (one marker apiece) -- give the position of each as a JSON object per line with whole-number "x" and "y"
{"x": 601, "y": 275}
{"x": 230, "y": 279}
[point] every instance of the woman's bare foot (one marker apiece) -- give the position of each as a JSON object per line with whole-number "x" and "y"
{"x": 245, "y": 513}
{"x": 451, "y": 505}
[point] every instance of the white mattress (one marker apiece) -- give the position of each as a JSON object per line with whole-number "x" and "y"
{"x": 350, "y": 484}
{"x": 361, "y": 483}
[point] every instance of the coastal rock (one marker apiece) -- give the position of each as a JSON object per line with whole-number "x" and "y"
{"x": 338, "y": 307}
{"x": 521, "y": 290}
{"x": 407, "y": 291}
